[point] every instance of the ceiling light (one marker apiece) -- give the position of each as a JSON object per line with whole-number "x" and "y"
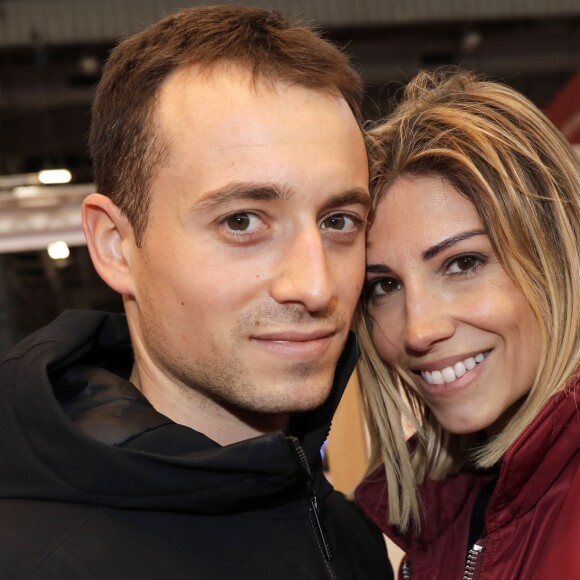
{"x": 58, "y": 250}
{"x": 52, "y": 176}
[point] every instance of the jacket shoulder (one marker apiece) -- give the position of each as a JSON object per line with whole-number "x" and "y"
{"x": 38, "y": 550}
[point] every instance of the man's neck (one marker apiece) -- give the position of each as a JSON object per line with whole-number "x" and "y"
{"x": 192, "y": 409}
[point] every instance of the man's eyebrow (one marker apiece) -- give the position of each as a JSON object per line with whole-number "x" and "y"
{"x": 451, "y": 241}
{"x": 239, "y": 191}
{"x": 355, "y": 196}
{"x": 264, "y": 192}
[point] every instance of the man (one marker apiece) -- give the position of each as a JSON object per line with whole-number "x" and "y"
{"x": 184, "y": 442}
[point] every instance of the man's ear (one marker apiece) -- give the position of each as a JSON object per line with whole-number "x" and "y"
{"x": 110, "y": 241}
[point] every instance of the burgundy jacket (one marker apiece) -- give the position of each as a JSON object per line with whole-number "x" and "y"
{"x": 532, "y": 519}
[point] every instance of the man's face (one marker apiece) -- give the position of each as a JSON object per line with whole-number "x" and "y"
{"x": 253, "y": 256}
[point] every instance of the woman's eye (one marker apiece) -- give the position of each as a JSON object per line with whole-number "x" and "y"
{"x": 383, "y": 287}
{"x": 342, "y": 222}
{"x": 241, "y": 222}
{"x": 464, "y": 264}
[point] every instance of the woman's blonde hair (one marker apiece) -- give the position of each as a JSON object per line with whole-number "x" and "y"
{"x": 497, "y": 149}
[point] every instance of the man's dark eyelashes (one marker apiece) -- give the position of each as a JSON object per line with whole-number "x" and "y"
{"x": 356, "y": 219}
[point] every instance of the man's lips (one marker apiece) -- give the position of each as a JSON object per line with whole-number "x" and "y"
{"x": 296, "y": 343}
{"x": 295, "y": 335}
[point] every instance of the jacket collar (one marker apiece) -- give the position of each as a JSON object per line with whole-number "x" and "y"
{"x": 54, "y": 457}
{"x": 96, "y": 394}
{"x": 537, "y": 457}
{"x": 527, "y": 472}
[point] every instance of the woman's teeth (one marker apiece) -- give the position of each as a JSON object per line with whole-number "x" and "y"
{"x": 449, "y": 374}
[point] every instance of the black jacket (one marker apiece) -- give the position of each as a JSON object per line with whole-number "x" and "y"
{"x": 95, "y": 484}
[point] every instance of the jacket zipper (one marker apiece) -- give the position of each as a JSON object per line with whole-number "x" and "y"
{"x": 406, "y": 569}
{"x": 473, "y": 559}
{"x": 313, "y": 510}
{"x": 471, "y": 564}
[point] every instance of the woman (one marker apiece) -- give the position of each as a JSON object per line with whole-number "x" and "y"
{"x": 470, "y": 330}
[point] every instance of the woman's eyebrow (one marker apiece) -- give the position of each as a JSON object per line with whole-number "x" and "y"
{"x": 448, "y": 242}
{"x": 378, "y": 269}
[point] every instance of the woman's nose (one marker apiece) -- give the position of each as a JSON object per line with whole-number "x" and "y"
{"x": 428, "y": 319}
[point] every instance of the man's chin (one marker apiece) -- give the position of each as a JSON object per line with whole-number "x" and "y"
{"x": 307, "y": 400}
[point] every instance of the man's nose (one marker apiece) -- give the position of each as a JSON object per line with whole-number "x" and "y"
{"x": 303, "y": 275}
{"x": 428, "y": 318}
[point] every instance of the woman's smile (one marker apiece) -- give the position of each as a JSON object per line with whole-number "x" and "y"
{"x": 451, "y": 373}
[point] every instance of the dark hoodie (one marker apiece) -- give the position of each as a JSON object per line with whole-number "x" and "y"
{"x": 95, "y": 484}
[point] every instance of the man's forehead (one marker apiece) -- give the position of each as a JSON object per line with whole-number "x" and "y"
{"x": 219, "y": 129}
{"x": 218, "y": 106}
{"x": 201, "y": 79}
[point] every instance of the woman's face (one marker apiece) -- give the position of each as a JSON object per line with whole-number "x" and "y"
{"x": 445, "y": 312}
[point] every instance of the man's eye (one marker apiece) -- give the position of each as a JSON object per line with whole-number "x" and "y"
{"x": 241, "y": 222}
{"x": 464, "y": 264}
{"x": 341, "y": 222}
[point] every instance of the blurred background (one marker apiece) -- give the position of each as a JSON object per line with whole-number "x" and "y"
{"x": 52, "y": 53}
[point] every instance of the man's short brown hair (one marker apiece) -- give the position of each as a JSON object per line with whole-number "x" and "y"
{"x": 126, "y": 146}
